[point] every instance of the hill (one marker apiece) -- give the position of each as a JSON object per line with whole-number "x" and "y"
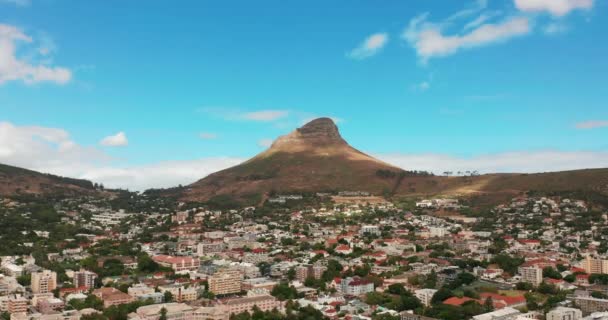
{"x": 19, "y": 181}
{"x": 312, "y": 158}
{"x": 315, "y": 158}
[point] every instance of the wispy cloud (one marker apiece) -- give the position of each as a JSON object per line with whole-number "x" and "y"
{"x": 558, "y": 8}
{"x": 592, "y": 124}
{"x": 519, "y": 162}
{"x": 265, "y": 115}
{"x": 429, "y": 41}
{"x": 207, "y": 135}
{"x": 370, "y": 46}
{"x": 117, "y": 140}
{"x": 233, "y": 114}
{"x": 13, "y": 68}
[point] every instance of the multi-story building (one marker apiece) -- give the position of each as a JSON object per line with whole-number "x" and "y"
{"x": 589, "y": 304}
{"x": 264, "y": 302}
{"x": 563, "y": 313}
{"x": 370, "y": 230}
{"x": 356, "y": 286}
{"x": 227, "y": 281}
{"x": 309, "y": 271}
{"x": 425, "y": 295}
{"x": 112, "y": 297}
{"x": 44, "y": 281}
{"x": 210, "y": 247}
{"x": 531, "y": 274}
{"x": 84, "y": 278}
{"x": 17, "y": 304}
{"x": 178, "y": 264}
{"x": 180, "y": 293}
{"x": 595, "y": 265}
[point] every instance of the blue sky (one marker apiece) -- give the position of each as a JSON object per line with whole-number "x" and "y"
{"x": 139, "y": 94}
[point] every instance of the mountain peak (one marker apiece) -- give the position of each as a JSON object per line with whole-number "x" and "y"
{"x": 320, "y": 127}
{"x": 320, "y": 132}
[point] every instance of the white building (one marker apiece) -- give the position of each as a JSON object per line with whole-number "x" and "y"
{"x": 563, "y": 313}
{"x": 425, "y": 295}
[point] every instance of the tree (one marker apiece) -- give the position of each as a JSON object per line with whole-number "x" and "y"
{"x": 168, "y": 296}
{"x": 163, "y": 313}
{"x": 488, "y": 305}
{"x": 291, "y": 274}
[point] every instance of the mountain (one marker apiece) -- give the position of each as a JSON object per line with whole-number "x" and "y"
{"x": 312, "y": 158}
{"x": 315, "y": 158}
{"x": 19, "y": 181}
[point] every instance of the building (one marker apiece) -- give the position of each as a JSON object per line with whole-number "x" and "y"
{"x": 595, "y": 265}
{"x": 589, "y": 304}
{"x": 405, "y": 315}
{"x": 178, "y": 264}
{"x": 227, "y": 281}
{"x": 264, "y": 302}
{"x": 175, "y": 311}
{"x": 500, "y": 314}
{"x": 44, "y": 281}
{"x": 258, "y": 284}
{"x": 437, "y": 232}
{"x": 210, "y": 247}
{"x": 17, "y": 304}
{"x": 304, "y": 272}
{"x": 563, "y": 313}
{"x": 532, "y": 274}
{"x": 425, "y": 295}
{"x": 180, "y": 293}
{"x": 356, "y": 286}
{"x": 112, "y": 296}
{"x": 370, "y": 230}
{"x": 84, "y": 278}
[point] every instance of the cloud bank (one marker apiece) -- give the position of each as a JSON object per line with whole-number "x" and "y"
{"x": 14, "y": 68}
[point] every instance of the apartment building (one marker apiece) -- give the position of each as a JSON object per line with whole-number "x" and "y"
{"x": 178, "y": 264}
{"x": 84, "y": 278}
{"x": 264, "y": 302}
{"x": 425, "y": 295}
{"x": 563, "y": 313}
{"x": 595, "y": 265}
{"x": 112, "y": 297}
{"x": 531, "y": 274}
{"x": 227, "y": 281}
{"x": 17, "y": 304}
{"x": 44, "y": 281}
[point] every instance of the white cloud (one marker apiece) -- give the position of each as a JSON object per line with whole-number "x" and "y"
{"x": 370, "y": 46}
{"x": 265, "y": 115}
{"x": 117, "y": 140}
{"x": 45, "y": 149}
{"x": 265, "y": 143}
{"x": 12, "y": 68}
{"x": 207, "y": 136}
{"x": 557, "y": 8}
{"x": 429, "y": 41}
{"x": 592, "y": 124}
{"x": 52, "y": 150}
{"x": 520, "y": 162}
{"x": 158, "y": 175}
{"x": 481, "y": 19}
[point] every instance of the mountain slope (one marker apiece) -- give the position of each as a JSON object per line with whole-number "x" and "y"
{"x": 316, "y": 158}
{"x": 15, "y": 181}
{"x": 311, "y": 158}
